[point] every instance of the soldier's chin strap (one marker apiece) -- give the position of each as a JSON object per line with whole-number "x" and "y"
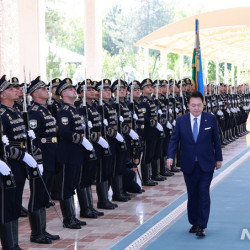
{"x": 50, "y": 199}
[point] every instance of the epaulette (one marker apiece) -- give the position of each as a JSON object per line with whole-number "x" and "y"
{"x": 35, "y": 108}
{"x": 66, "y": 107}
{"x": 2, "y": 111}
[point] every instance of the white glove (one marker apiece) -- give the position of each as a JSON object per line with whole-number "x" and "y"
{"x": 90, "y": 124}
{"x": 159, "y": 127}
{"x": 135, "y": 117}
{"x": 176, "y": 110}
{"x": 169, "y": 125}
{"x": 170, "y": 111}
{"x": 133, "y": 134}
{"x": 40, "y": 167}
{"x": 102, "y": 142}
{"x": 87, "y": 144}
{"x": 105, "y": 122}
{"x": 160, "y": 112}
{"x": 29, "y": 160}
{"x": 121, "y": 119}
{"x": 5, "y": 140}
{"x": 174, "y": 122}
{"x": 119, "y": 137}
{"x": 4, "y": 169}
{"x": 31, "y": 134}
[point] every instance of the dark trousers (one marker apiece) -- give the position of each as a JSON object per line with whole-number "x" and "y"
{"x": 7, "y": 208}
{"x": 198, "y": 184}
{"x": 69, "y": 180}
{"x": 19, "y": 172}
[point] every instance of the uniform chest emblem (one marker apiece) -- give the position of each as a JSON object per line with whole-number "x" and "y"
{"x": 33, "y": 124}
{"x": 65, "y": 120}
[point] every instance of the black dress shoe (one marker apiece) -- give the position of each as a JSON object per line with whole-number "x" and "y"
{"x": 193, "y": 229}
{"x": 98, "y": 213}
{"x": 80, "y": 222}
{"x": 50, "y": 236}
{"x": 201, "y": 232}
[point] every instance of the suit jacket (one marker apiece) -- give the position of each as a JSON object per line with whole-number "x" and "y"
{"x": 207, "y": 148}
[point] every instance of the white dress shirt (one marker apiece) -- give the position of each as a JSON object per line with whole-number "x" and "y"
{"x": 198, "y": 121}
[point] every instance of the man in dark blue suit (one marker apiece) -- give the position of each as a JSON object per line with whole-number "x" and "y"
{"x": 200, "y": 155}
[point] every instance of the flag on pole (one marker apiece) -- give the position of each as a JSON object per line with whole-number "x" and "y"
{"x": 197, "y": 75}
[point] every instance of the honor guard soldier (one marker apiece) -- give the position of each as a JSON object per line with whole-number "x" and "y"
{"x": 54, "y": 106}
{"x": 174, "y": 111}
{"x": 138, "y": 124}
{"x": 114, "y": 138}
{"x": 43, "y": 124}
{"x": 161, "y": 118}
{"x": 19, "y": 103}
{"x": 55, "y": 101}
{"x": 164, "y": 98}
{"x": 92, "y": 167}
{"x": 151, "y": 132}
{"x": 79, "y": 91}
{"x": 13, "y": 128}
{"x": 125, "y": 128}
{"x": 70, "y": 153}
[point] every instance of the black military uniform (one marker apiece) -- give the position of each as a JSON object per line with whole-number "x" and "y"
{"x": 44, "y": 126}
{"x": 161, "y": 118}
{"x": 151, "y": 133}
{"x": 167, "y": 129}
{"x": 124, "y": 127}
{"x": 13, "y": 128}
{"x": 107, "y": 112}
{"x": 54, "y": 107}
{"x": 91, "y": 167}
{"x": 70, "y": 155}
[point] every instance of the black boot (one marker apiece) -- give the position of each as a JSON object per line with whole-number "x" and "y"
{"x": 90, "y": 197}
{"x": 24, "y": 212}
{"x": 36, "y": 228}
{"x": 85, "y": 209}
{"x": 107, "y": 186}
{"x": 15, "y": 234}
{"x": 6, "y": 236}
{"x": 68, "y": 214}
{"x": 73, "y": 210}
{"x": 102, "y": 194}
{"x": 146, "y": 178}
{"x": 156, "y": 171}
{"x": 117, "y": 187}
{"x": 43, "y": 220}
{"x": 164, "y": 170}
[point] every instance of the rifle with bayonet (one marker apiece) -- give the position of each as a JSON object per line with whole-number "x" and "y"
{"x": 33, "y": 172}
{"x": 123, "y": 145}
{"x": 106, "y": 151}
{"x": 86, "y": 128}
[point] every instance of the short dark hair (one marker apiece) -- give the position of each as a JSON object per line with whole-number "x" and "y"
{"x": 196, "y": 94}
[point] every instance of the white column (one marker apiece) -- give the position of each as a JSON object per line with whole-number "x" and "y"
{"x": 217, "y": 73}
{"x": 181, "y": 66}
{"x": 146, "y": 61}
{"x": 32, "y": 37}
{"x": 93, "y": 40}
{"x": 238, "y": 74}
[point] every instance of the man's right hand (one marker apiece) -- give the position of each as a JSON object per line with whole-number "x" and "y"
{"x": 29, "y": 160}
{"x": 169, "y": 163}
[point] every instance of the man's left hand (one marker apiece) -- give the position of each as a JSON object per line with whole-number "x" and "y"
{"x": 218, "y": 165}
